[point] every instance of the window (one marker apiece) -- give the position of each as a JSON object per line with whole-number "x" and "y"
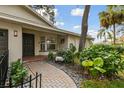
{"x": 2, "y": 34}
{"x": 51, "y": 47}
{"x": 51, "y": 43}
{"x": 48, "y": 44}
{"x": 62, "y": 41}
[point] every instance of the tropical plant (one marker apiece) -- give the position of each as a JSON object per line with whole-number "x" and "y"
{"x": 60, "y": 52}
{"x": 104, "y": 33}
{"x": 51, "y": 56}
{"x": 77, "y": 58}
{"x": 94, "y": 67}
{"x": 111, "y": 56}
{"x": 84, "y": 28}
{"x": 18, "y": 71}
{"x": 69, "y": 54}
{"x": 111, "y": 17}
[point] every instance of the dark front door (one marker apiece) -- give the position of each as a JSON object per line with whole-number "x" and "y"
{"x": 3, "y": 41}
{"x": 28, "y": 44}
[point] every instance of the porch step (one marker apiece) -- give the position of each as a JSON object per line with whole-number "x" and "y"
{"x": 34, "y": 59}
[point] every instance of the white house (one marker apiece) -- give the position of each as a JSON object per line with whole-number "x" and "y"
{"x": 24, "y": 32}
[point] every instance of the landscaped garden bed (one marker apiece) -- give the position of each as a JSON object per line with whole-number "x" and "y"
{"x": 92, "y": 66}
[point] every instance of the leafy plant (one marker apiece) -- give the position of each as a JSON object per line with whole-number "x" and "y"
{"x": 98, "y": 62}
{"x": 60, "y": 53}
{"x": 18, "y": 71}
{"x": 77, "y": 58}
{"x": 87, "y": 63}
{"x": 107, "y": 59}
{"x": 94, "y": 67}
{"x": 69, "y": 54}
{"x": 51, "y": 56}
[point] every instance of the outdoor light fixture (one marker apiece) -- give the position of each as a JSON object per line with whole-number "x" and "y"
{"x": 15, "y": 33}
{"x": 48, "y": 41}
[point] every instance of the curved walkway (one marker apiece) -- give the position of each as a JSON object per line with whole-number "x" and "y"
{"x": 52, "y": 77}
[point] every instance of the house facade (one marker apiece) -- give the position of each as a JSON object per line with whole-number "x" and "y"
{"x": 23, "y": 32}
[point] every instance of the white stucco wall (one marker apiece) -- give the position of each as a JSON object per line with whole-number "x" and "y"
{"x": 75, "y": 41}
{"x": 14, "y": 43}
{"x": 18, "y": 12}
{"x": 63, "y": 45}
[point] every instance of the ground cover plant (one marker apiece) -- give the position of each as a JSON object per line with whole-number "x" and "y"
{"x": 17, "y": 72}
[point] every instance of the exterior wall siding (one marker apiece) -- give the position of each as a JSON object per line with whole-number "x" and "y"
{"x": 75, "y": 41}
{"x": 14, "y": 43}
{"x": 19, "y": 12}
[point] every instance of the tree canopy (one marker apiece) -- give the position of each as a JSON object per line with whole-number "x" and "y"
{"x": 49, "y": 9}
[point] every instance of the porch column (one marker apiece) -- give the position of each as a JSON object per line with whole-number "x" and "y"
{"x": 45, "y": 43}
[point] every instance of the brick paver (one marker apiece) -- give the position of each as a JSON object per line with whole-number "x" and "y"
{"x": 52, "y": 77}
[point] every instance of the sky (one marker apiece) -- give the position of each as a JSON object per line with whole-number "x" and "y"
{"x": 69, "y": 17}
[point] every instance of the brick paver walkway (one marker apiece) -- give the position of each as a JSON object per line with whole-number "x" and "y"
{"x": 52, "y": 77}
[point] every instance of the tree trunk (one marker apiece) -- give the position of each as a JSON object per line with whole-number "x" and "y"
{"x": 114, "y": 34}
{"x": 84, "y": 28}
{"x": 105, "y": 38}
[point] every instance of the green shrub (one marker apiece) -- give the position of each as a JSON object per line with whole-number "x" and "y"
{"x": 60, "y": 53}
{"x": 94, "y": 68}
{"x": 51, "y": 56}
{"x": 68, "y": 54}
{"x": 72, "y": 48}
{"x": 17, "y": 72}
{"x": 110, "y": 55}
{"x": 77, "y": 58}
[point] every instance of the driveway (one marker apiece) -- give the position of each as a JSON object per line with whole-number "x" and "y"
{"x": 52, "y": 77}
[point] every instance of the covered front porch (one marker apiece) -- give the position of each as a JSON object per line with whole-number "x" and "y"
{"x": 37, "y": 44}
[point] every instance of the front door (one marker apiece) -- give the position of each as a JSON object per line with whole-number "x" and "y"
{"x": 3, "y": 41}
{"x": 28, "y": 44}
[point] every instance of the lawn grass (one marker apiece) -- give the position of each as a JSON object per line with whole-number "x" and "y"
{"x": 102, "y": 84}
{"x": 121, "y": 74}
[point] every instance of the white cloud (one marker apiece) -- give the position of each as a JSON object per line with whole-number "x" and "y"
{"x": 56, "y": 12}
{"x": 77, "y": 12}
{"x": 76, "y": 26}
{"x": 59, "y": 23}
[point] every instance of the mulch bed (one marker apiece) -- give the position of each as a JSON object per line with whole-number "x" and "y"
{"x": 74, "y": 71}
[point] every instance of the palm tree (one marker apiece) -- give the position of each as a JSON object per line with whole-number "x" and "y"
{"x": 104, "y": 33}
{"x": 110, "y": 18}
{"x": 84, "y": 28}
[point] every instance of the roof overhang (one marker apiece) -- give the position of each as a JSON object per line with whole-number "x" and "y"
{"x": 53, "y": 27}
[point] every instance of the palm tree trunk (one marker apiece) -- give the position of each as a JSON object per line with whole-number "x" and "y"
{"x": 105, "y": 38}
{"x": 84, "y": 28}
{"x": 114, "y": 34}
